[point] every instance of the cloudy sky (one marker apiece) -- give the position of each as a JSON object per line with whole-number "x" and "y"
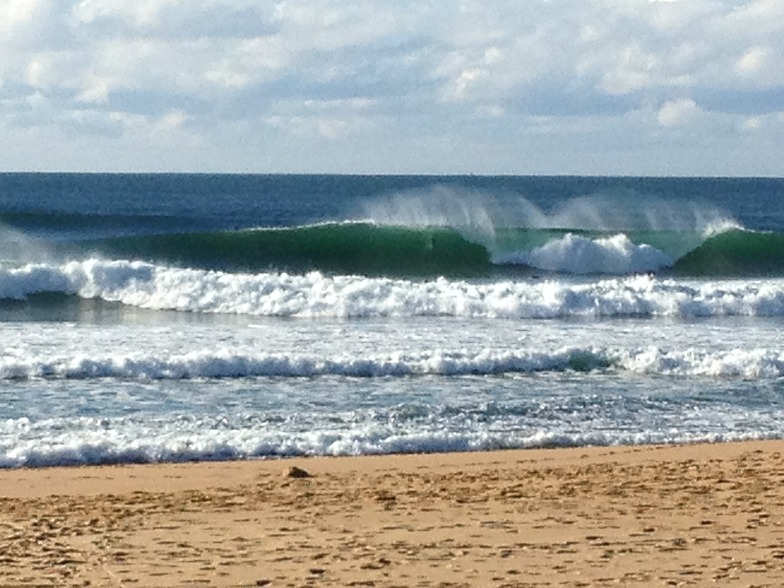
{"x": 607, "y": 87}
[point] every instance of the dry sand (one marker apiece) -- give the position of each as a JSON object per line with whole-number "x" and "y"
{"x": 689, "y": 515}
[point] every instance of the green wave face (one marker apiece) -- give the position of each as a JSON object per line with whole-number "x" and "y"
{"x": 735, "y": 253}
{"x": 373, "y": 250}
{"x": 340, "y": 248}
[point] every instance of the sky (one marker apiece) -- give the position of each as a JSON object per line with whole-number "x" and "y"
{"x": 587, "y": 87}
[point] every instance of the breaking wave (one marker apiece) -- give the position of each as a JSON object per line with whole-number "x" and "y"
{"x": 750, "y": 364}
{"x": 157, "y": 287}
{"x": 377, "y": 250}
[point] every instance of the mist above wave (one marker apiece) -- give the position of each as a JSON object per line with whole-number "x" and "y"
{"x": 16, "y": 247}
{"x": 482, "y": 213}
{"x": 481, "y": 217}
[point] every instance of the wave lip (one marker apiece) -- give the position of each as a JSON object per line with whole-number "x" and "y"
{"x": 441, "y": 231}
{"x": 383, "y": 250}
{"x": 735, "y": 252}
{"x": 334, "y": 247}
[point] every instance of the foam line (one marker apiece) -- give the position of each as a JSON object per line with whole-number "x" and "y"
{"x": 225, "y": 363}
{"x": 315, "y": 294}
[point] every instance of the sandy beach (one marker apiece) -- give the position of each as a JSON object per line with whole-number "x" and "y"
{"x": 675, "y": 515}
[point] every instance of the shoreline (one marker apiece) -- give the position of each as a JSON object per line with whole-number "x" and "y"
{"x": 658, "y": 514}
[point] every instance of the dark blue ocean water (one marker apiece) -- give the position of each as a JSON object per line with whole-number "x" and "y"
{"x": 149, "y": 202}
{"x": 173, "y": 317}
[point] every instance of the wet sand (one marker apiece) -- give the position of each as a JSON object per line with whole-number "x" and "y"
{"x": 683, "y": 515}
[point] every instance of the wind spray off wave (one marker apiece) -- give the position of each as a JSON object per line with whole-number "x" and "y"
{"x": 454, "y": 234}
{"x": 600, "y": 234}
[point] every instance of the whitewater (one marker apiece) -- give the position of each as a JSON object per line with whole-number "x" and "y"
{"x": 314, "y": 294}
{"x": 149, "y": 318}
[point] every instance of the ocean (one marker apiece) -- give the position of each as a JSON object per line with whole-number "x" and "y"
{"x": 189, "y": 317}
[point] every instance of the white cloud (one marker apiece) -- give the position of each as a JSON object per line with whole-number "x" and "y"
{"x": 678, "y": 113}
{"x": 141, "y": 13}
{"x": 23, "y": 21}
{"x": 536, "y": 76}
{"x": 752, "y": 124}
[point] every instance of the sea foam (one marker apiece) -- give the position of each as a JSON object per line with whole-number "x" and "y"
{"x": 315, "y": 294}
{"x": 93, "y": 441}
{"x": 580, "y": 255}
{"x": 231, "y": 363}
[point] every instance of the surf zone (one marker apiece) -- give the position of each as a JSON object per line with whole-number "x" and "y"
{"x": 355, "y": 248}
{"x": 38, "y": 288}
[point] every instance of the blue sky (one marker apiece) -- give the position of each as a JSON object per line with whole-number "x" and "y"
{"x": 605, "y": 87}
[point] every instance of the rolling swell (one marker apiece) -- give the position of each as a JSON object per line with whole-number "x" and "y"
{"x": 63, "y": 226}
{"x": 376, "y": 250}
{"x": 735, "y": 253}
{"x": 353, "y": 248}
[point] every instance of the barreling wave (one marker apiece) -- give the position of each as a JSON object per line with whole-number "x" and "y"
{"x": 735, "y": 253}
{"x": 226, "y": 364}
{"x": 315, "y": 294}
{"x": 730, "y": 253}
{"x": 351, "y": 247}
{"x": 377, "y": 250}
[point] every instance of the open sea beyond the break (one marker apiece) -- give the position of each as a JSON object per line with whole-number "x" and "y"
{"x": 187, "y": 317}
